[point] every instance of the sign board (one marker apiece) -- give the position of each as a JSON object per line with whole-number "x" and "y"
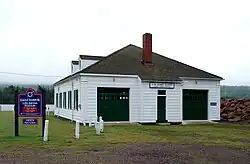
{"x": 161, "y": 85}
{"x": 30, "y": 104}
{"x": 213, "y": 104}
{"x": 30, "y": 121}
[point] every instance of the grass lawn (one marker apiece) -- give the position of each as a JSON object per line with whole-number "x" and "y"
{"x": 61, "y": 135}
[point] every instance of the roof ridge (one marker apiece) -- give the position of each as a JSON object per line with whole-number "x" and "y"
{"x": 104, "y": 58}
{"x": 181, "y": 63}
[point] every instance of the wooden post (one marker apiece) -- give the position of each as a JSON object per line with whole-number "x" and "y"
{"x": 90, "y": 122}
{"x": 97, "y": 127}
{"x": 16, "y": 113}
{"x": 101, "y": 124}
{"x": 77, "y": 130}
{"x": 43, "y": 108}
{"x": 46, "y": 130}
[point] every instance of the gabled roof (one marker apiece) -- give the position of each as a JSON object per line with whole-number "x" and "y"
{"x": 75, "y": 62}
{"x": 88, "y": 57}
{"x": 127, "y": 61}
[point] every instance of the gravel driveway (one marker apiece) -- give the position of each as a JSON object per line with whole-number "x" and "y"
{"x": 137, "y": 153}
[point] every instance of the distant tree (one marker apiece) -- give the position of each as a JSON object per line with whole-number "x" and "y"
{"x": 7, "y": 94}
{"x": 235, "y": 92}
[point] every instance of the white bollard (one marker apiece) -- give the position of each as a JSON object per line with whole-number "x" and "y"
{"x": 46, "y": 130}
{"x": 77, "y": 130}
{"x": 90, "y": 122}
{"x": 97, "y": 128}
{"x": 95, "y": 124}
{"x": 101, "y": 124}
{"x": 84, "y": 123}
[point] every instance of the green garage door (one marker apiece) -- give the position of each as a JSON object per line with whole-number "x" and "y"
{"x": 113, "y": 104}
{"x": 195, "y": 104}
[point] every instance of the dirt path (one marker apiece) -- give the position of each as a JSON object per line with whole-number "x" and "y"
{"x": 143, "y": 153}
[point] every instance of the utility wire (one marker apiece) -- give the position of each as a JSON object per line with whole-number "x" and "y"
{"x": 26, "y": 74}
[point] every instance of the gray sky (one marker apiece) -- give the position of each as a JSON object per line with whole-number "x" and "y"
{"x": 42, "y": 37}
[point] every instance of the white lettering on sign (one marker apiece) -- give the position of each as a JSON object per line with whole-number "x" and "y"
{"x": 161, "y": 85}
{"x": 29, "y": 99}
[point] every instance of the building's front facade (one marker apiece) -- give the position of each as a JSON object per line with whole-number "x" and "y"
{"x": 121, "y": 87}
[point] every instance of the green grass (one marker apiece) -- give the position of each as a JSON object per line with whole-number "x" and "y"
{"x": 61, "y": 135}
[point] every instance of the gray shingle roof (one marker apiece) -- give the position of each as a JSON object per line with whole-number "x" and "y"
{"x": 127, "y": 61}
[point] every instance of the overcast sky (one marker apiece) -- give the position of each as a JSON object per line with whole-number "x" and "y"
{"x": 42, "y": 37}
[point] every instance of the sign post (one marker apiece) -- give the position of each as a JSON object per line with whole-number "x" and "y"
{"x": 43, "y": 109}
{"x": 29, "y": 106}
{"x": 16, "y": 114}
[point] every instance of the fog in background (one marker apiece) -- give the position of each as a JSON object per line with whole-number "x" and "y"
{"x": 42, "y": 37}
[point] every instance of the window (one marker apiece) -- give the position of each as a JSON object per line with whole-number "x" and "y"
{"x": 64, "y": 100}
{"x": 161, "y": 92}
{"x": 69, "y": 99}
{"x": 57, "y": 100}
{"x": 60, "y": 100}
{"x": 76, "y": 99}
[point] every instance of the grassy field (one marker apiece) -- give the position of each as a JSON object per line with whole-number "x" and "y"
{"x": 61, "y": 135}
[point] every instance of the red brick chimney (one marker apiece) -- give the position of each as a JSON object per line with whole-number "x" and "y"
{"x": 147, "y": 48}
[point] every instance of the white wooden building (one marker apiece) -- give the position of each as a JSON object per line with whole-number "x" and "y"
{"x": 134, "y": 84}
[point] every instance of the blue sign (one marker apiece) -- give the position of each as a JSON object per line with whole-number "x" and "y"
{"x": 30, "y": 104}
{"x": 30, "y": 121}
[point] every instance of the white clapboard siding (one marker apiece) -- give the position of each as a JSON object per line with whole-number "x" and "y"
{"x": 142, "y": 99}
{"x": 91, "y": 83}
{"x": 69, "y": 85}
{"x": 213, "y": 88}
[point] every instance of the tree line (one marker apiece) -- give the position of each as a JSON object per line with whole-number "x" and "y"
{"x": 7, "y": 93}
{"x": 230, "y": 92}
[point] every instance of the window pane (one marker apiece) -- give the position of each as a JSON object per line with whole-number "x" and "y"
{"x": 161, "y": 92}
{"x": 60, "y": 100}
{"x": 56, "y": 99}
{"x": 76, "y": 99}
{"x": 64, "y": 100}
{"x": 69, "y": 100}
